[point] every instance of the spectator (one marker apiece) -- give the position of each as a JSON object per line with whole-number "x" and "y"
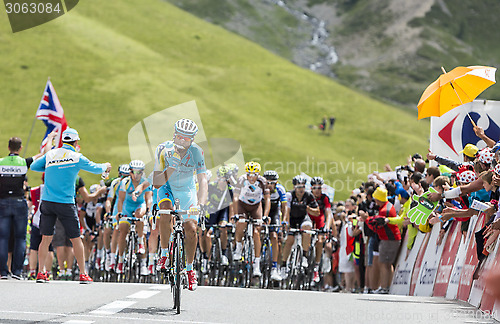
{"x": 469, "y": 155}
{"x": 389, "y": 235}
{"x": 35, "y": 237}
{"x": 432, "y": 174}
{"x": 13, "y": 206}
{"x": 419, "y": 165}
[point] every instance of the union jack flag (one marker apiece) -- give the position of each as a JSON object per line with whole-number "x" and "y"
{"x": 51, "y": 113}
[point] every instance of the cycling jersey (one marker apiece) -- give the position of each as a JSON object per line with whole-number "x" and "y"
{"x": 61, "y": 167}
{"x": 182, "y": 178}
{"x": 323, "y": 203}
{"x": 249, "y": 193}
{"x": 298, "y": 208}
{"x": 181, "y": 183}
{"x": 218, "y": 199}
{"x": 90, "y": 208}
{"x": 278, "y": 197}
{"x": 127, "y": 185}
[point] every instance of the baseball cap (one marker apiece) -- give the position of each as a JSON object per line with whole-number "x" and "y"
{"x": 70, "y": 135}
{"x": 470, "y": 150}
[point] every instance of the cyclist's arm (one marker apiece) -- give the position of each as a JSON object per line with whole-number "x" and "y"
{"x": 107, "y": 205}
{"x": 81, "y": 217}
{"x": 284, "y": 207}
{"x": 88, "y": 197}
{"x": 286, "y": 215}
{"x": 121, "y": 199}
{"x": 267, "y": 202}
{"x": 148, "y": 196}
{"x": 329, "y": 221}
{"x": 98, "y": 212}
{"x": 203, "y": 188}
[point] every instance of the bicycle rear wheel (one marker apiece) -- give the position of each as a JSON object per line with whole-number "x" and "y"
{"x": 247, "y": 261}
{"x": 130, "y": 260}
{"x": 266, "y": 265}
{"x": 295, "y": 268}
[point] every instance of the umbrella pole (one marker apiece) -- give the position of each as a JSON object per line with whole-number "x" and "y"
{"x": 473, "y": 124}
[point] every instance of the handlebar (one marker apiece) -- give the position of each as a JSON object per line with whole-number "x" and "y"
{"x": 172, "y": 212}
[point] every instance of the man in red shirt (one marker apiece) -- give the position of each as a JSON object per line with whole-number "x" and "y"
{"x": 389, "y": 235}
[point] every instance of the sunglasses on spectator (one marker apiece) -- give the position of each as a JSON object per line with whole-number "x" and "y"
{"x": 183, "y": 138}
{"x": 300, "y": 186}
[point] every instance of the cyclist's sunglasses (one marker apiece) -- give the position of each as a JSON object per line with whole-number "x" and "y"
{"x": 252, "y": 174}
{"x": 183, "y": 138}
{"x": 137, "y": 171}
{"x": 272, "y": 182}
{"x": 316, "y": 187}
{"x": 300, "y": 186}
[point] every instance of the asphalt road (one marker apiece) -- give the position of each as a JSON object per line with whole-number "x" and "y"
{"x": 70, "y": 302}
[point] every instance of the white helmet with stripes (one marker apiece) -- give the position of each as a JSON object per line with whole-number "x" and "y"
{"x": 186, "y": 127}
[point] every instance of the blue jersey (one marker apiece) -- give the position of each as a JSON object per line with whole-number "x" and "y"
{"x": 61, "y": 166}
{"x": 127, "y": 186}
{"x": 183, "y": 177}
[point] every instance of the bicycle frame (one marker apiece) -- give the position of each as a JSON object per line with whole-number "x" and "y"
{"x": 178, "y": 275}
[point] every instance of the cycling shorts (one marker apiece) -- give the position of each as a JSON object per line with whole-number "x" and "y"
{"x": 91, "y": 222}
{"x": 255, "y": 211}
{"x": 188, "y": 200}
{"x": 275, "y": 218}
{"x": 298, "y": 223}
{"x": 129, "y": 211}
{"x": 217, "y": 217}
{"x": 318, "y": 221}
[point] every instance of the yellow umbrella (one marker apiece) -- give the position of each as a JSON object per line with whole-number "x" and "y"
{"x": 453, "y": 89}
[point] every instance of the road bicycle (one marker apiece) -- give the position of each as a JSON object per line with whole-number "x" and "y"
{"x": 176, "y": 270}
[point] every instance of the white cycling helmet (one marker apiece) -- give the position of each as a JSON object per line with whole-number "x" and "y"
{"x": 124, "y": 169}
{"x": 94, "y": 188}
{"x": 136, "y": 165}
{"x": 186, "y": 127}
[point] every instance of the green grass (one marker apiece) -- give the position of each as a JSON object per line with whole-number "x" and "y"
{"x": 111, "y": 69}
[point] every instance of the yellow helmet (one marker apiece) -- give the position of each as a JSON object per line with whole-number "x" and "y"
{"x": 252, "y": 167}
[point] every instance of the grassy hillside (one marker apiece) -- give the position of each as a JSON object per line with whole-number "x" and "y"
{"x": 113, "y": 63}
{"x": 391, "y": 49}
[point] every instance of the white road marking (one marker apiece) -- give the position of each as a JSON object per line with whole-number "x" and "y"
{"x": 143, "y": 294}
{"x": 123, "y": 318}
{"x": 160, "y": 287}
{"x": 78, "y": 322}
{"x": 113, "y": 308}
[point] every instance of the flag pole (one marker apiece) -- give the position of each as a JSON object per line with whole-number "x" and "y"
{"x": 31, "y": 131}
{"x": 29, "y": 137}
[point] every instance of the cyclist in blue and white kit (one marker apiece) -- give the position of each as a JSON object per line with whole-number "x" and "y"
{"x": 176, "y": 163}
{"x": 278, "y": 204}
{"x": 130, "y": 205}
{"x": 111, "y": 207}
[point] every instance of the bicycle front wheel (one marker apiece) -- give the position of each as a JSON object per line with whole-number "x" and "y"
{"x": 178, "y": 270}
